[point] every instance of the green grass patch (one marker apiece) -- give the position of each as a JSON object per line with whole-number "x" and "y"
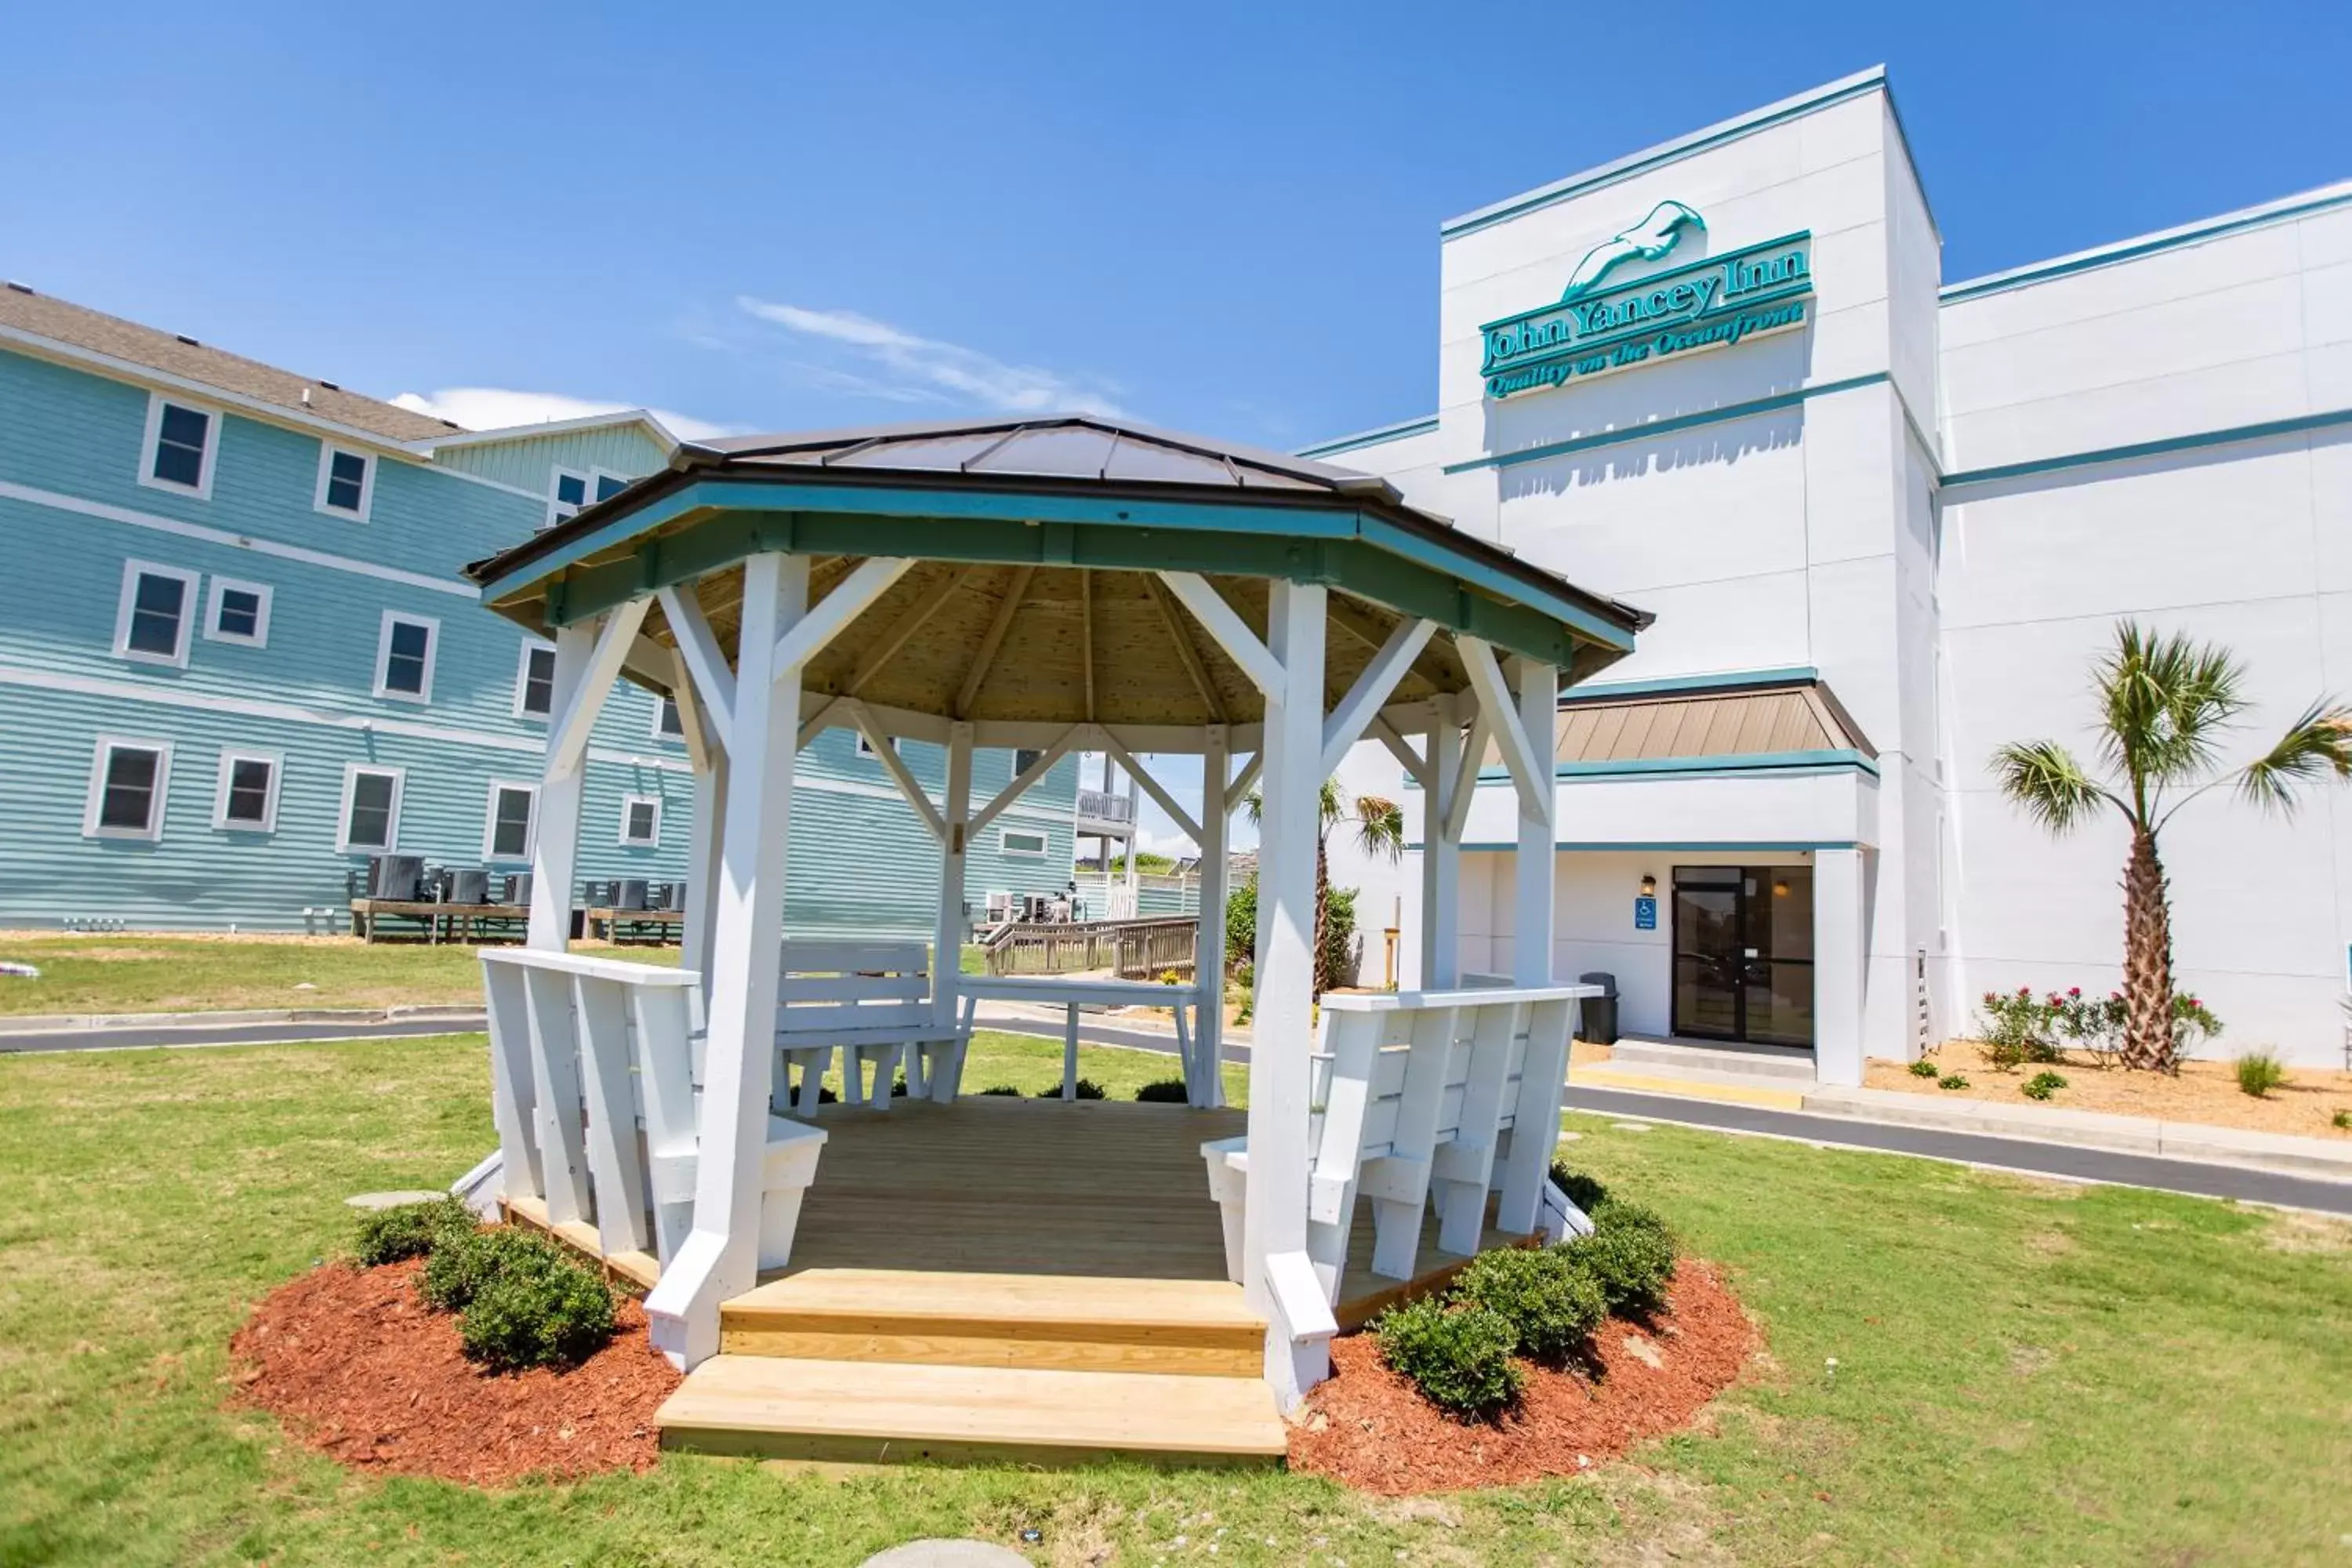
{"x": 2027, "y": 1373}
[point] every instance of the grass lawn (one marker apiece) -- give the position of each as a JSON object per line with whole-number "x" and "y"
{"x": 138, "y": 972}
{"x": 2026, "y": 1372}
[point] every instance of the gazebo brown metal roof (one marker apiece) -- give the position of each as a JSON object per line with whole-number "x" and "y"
{"x": 1036, "y": 599}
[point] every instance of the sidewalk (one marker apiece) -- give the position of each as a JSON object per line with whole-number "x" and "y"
{"x": 454, "y": 1014}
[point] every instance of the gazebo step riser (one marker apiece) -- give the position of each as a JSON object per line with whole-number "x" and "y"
{"x": 1076, "y": 1347}
{"x": 828, "y": 1450}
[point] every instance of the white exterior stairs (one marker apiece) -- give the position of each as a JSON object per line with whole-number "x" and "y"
{"x": 872, "y": 1365}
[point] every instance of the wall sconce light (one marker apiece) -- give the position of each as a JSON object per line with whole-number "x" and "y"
{"x": 1781, "y": 887}
{"x": 1649, "y": 886}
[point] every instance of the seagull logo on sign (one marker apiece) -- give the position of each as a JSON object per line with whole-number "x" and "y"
{"x": 1648, "y": 240}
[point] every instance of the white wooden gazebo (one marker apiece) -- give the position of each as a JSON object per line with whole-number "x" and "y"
{"x": 1055, "y": 584}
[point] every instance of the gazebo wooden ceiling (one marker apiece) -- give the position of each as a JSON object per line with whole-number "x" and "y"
{"x": 1036, "y": 598}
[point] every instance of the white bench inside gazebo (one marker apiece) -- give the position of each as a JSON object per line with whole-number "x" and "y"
{"x": 1055, "y": 586}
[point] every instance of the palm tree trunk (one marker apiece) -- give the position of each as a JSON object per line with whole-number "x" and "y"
{"x": 2147, "y": 959}
{"x": 1322, "y": 917}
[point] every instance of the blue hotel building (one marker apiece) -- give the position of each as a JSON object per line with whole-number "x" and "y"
{"x": 238, "y": 658}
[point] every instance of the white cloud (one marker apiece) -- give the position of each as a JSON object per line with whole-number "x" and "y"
{"x": 498, "y": 407}
{"x": 925, "y": 369}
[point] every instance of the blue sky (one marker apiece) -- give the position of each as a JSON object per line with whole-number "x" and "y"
{"x": 1218, "y": 219}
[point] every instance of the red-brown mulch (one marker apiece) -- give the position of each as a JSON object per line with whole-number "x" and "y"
{"x": 362, "y": 1371}
{"x": 1371, "y": 1428}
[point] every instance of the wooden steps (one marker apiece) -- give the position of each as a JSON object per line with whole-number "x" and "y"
{"x": 871, "y": 1412}
{"x": 1197, "y": 1328}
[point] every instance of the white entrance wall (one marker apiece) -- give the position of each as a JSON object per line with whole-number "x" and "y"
{"x": 1938, "y": 501}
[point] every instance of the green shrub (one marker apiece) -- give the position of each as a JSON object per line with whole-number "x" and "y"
{"x": 1001, "y": 1089}
{"x": 548, "y": 1312}
{"x": 1585, "y": 1192}
{"x": 410, "y": 1230}
{"x": 462, "y": 1264}
{"x": 1551, "y": 1301}
{"x": 1459, "y": 1357}
{"x": 2259, "y": 1072}
{"x": 1951, "y": 1080}
{"x": 1926, "y": 1068}
{"x": 1630, "y": 1254}
{"x": 2043, "y": 1085}
{"x": 2342, "y": 1121}
{"x": 1087, "y": 1089}
{"x": 2020, "y": 1029}
{"x": 1166, "y": 1091}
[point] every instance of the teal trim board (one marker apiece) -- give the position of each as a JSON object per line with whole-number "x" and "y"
{"x": 1396, "y": 432}
{"x": 2302, "y": 425}
{"x": 1823, "y": 761}
{"x": 1663, "y": 846}
{"x": 1721, "y": 681}
{"x": 1668, "y": 427}
{"x": 2285, "y": 210}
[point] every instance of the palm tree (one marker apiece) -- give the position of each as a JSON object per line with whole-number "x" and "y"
{"x": 2163, "y": 703}
{"x": 1380, "y": 831}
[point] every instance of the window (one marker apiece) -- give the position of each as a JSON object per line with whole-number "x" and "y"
{"x": 150, "y": 623}
{"x": 370, "y": 818}
{"x": 666, "y": 724}
{"x": 181, "y": 441}
{"x": 240, "y": 612}
{"x": 403, "y": 656}
{"x": 1025, "y": 758}
{"x": 346, "y": 482}
{"x": 641, "y": 819}
{"x": 866, "y": 747}
{"x": 247, "y": 797}
{"x": 535, "y": 681}
{"x": 610, "y": 485}
{"x": 507, "y": 833}
{"x": 127, "y": 781}
{"x": 567, "y": 492}
{"x": 1020, "y": 844}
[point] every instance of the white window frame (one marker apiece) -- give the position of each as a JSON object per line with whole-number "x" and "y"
{"x": 674, "y": 737}
{"x": 555, "y": 513}
{"x": 229, "y": 761}
{"x": 596, "y": 477}
{"x": 327, "y": 450}
{"x": 491, "y": 854}
{"x": 203, "y": 489}
{"x": 1005, "y": 843}
{"x": 391, "y": 845}
{"x": 866, "y": 747}
{"x": 523, "y": 682}
{"x": 221, "y": 586}
{"x": 627, "y": 801}
{"x": 432, "y": 626}
{"x": 102, "y": 753}
{"x": 191, "y": 606}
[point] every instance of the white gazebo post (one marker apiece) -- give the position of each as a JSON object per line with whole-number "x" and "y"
{"x": 948, "y": 933}
{"x": 1536, "y": 860}
{"x": 720, "y": 1258}
{"x": 1440, "y": 844}
{"x": 1282, "y": 1029}
{"x": 705, "y": 693}
{"x": 1207, "y": 1075}
{"x": 555, "y": 833}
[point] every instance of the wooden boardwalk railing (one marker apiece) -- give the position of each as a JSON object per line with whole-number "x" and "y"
{"x": 1133, "y": 950}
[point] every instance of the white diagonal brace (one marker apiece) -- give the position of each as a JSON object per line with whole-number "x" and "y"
{"x": 816, "y": 723}
{"x": 830, "y": 616}
{"x": 886, "y": 751}
{"x": 700, "y": 648}
{"x": 695, "y": 722}
{"x": 1499, "y": 706}
{"x": 1232, "y": 634}
{"x": 1244, "y": 782}
{"x": 1151, "y": 787}
{"x": 1028, "y": 779}
{"x": 1465, "y": 777}
{"x": 1378, "y": 678}
{"x": 1416, "y": 766}
{"x": 567, "y": 739}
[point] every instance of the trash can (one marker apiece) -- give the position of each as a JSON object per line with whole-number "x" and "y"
{"x": 1597, "y": 1020}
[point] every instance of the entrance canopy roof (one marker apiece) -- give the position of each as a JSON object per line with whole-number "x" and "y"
{"x": 1039, "y": 597}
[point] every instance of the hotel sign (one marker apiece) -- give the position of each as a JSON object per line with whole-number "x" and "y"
{"x": 1598, "y": 327}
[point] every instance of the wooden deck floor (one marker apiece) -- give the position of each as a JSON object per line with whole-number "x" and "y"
{"x": 1099, "y": 1189}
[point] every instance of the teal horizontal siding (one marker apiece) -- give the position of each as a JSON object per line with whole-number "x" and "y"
{"x": 529, "y": 462}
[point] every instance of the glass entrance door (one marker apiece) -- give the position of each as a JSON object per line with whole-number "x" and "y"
{"x": 1743, "y": 953}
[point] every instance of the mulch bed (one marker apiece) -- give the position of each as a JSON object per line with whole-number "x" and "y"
{"x": 1371, "y": 1428}
{"x": 361, "y": 1370}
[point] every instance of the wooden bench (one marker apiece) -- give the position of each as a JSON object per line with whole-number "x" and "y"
{"x": 871, "y": 1001}
{"x": 1420, "y": 1098}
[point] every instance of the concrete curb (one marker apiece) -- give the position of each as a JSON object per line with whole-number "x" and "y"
{"x": 2093, "y": 1129}
{"x": 62, "y": 1023}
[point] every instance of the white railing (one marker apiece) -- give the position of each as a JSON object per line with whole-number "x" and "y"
{"x": 1418, "y": 1097}
{"x": 594, "y": 1073}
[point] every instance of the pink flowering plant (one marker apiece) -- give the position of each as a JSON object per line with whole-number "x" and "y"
{"x": 2020, "y": 1026}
